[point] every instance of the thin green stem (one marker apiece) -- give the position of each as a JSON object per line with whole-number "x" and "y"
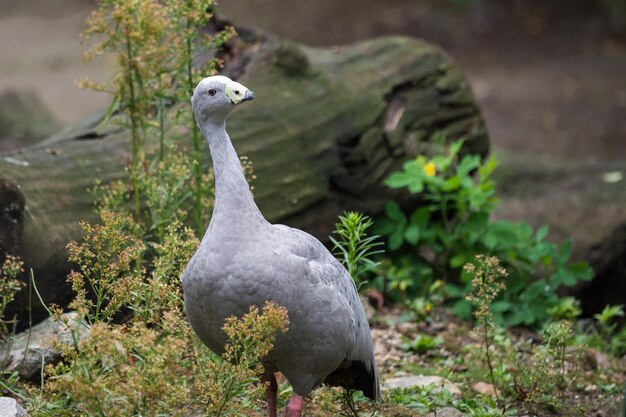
{"x": 161, "y": 114}
{"x": 487, "y": 344}
{"x": 134, "y": 128}
{"x": 139, "y": 115}
{"x": 227, "y": 396}
{"x": 443, "y": 208}
{"x": 562, "y": 383}
{"x": 195, "y": 135}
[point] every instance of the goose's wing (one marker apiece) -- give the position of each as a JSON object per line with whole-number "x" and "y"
{"x": 331, "y": 272}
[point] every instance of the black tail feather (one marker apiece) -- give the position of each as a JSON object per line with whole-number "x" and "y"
{"x": 356, "y": 377}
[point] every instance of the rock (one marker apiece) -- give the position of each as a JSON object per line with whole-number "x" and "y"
{"x": 410, "y": 381}
{"x": 608, "y": 260}
{"x": 10, "y": 408}
{"x": 485, "y": 388}
{"x": 375, "y": 298}
{"x": 446, "y": 412}
{"x": 29, "y": 350}
{"x": 585, "y": 201}
{"x": 451, "y": 342}
{"x": 574, "y": 198}
{"x": 24, "y": 120}
{"x": 596, "y": 359}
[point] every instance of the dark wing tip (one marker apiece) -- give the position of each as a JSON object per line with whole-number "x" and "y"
{"x": 367, "y": 380}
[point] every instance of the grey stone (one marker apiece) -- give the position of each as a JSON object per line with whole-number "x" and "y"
{"x": 608, "y": 259}
{"x": 410, "y": 381}
{"x": 10, "y": 408}
{"x": 577, "y": 199}
{"x": 28, "y": 351}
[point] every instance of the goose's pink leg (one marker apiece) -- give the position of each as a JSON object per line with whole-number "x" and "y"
{"x": 271, "y": 390}
{"x": 295, "y": 406}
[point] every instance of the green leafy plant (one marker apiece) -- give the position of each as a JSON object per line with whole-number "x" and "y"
{"x": 567, "y": 308}
{"x": 607, "y": 334}
{"x": 453, "y": 224}
{"x": 355, "y": 249}
{"x": 423, "y": 306}
{"x": 543, "y": 384}
{"x": 607, "y": 317}
{"x": 353, "y": 245}
{"x": 165, "y": 194}
{"x": 483, "y": 408}
{"x": 422, "y": 399}
{"x": 121, "y": 370}
{"x": 421, "y": 343}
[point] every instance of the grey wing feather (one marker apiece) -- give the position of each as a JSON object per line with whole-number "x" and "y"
{"x": 333, "y": 273}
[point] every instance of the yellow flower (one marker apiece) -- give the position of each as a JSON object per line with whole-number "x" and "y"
{"x": 429, "y": 169}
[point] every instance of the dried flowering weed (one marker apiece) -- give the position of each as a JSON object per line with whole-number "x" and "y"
{"x": 109, "y": 270}
{"x": 250, "y": 339}
{"x": 487, "y": 283}
{"x": 9, "y": 286}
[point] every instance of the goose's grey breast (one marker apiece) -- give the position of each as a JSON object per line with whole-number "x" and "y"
{"x": 229, "y": 274}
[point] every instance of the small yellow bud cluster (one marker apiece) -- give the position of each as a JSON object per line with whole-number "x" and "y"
{"x": 487, "y": 283}
{"x": 248, "y": 170}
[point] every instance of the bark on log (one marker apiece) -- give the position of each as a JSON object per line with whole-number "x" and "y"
{"x": 328, "y": 126}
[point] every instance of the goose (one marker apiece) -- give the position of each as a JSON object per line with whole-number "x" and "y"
{"x": 243, "y": 260}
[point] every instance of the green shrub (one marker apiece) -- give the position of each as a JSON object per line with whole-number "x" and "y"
{"x": 607, "y": 334}
{"x": 353, "y": 246}
{"x": 535, "y": 375}
{"x": 148, "y": 361}
{"x": 421, "y": 343}
{"x": 453, "y": 224}
{"x": 157, "y": 45}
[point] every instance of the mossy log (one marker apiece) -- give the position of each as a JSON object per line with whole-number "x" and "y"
{"x": 327, "y": 127}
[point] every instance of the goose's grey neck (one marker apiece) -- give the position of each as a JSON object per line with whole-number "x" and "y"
{"x": 234, "y": 204}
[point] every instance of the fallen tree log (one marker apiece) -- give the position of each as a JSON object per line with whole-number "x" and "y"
{"x": 328, "y": 126}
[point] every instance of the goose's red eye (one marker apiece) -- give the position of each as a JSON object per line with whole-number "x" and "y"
{"x": 212, "y": 92}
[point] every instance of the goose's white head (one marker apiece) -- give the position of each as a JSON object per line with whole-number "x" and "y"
{"x": 216, "y": 96}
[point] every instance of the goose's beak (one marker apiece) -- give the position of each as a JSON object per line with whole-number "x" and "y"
{"x": 238, "y": 92}
{"x": 248, "y": 96}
